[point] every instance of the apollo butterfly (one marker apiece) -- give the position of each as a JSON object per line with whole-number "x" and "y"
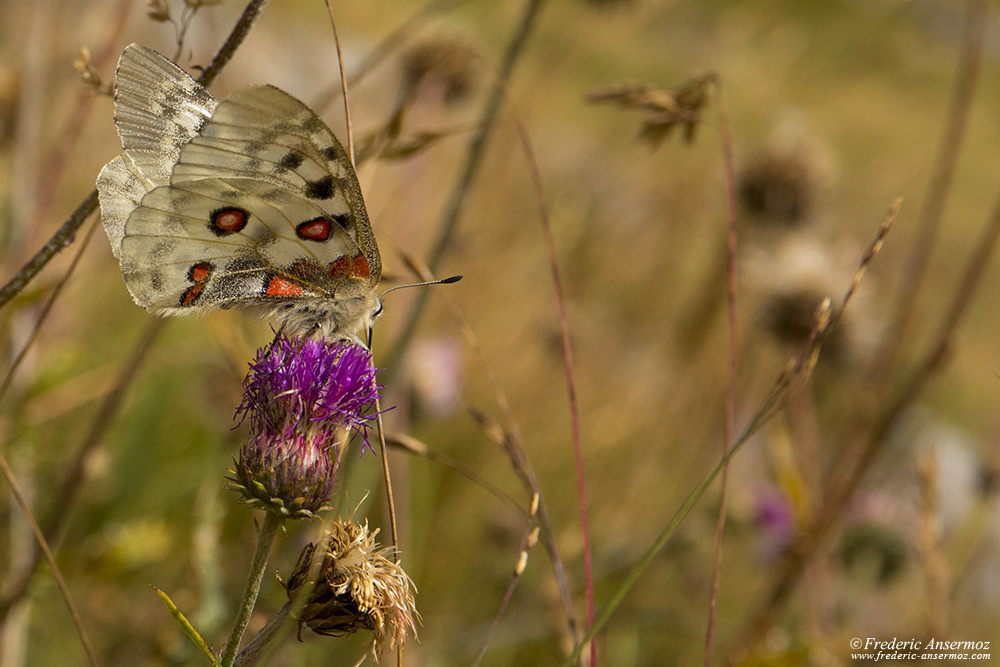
{"x": 249, "y": 202}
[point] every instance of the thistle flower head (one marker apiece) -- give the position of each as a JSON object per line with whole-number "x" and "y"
{"x": 349, "y": 584}
{"x": 303, "y": 398}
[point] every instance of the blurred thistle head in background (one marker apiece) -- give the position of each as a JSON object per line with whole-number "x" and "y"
{"x": 447, "y": 63}
{"x": 781, "y": 187}
{"x": 790, "y": 281}
{"x": 351, "y": 584}
{"x": 304, "y": 399}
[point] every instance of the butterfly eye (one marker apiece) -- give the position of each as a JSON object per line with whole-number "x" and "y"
{"x": 378, "y": 311}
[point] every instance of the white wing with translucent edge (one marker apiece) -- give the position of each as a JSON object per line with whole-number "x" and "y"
{"x": 158, "y": 109}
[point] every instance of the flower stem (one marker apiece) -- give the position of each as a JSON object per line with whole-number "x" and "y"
{"x": 267, "y": 532}
{"x": 264, "y": 637}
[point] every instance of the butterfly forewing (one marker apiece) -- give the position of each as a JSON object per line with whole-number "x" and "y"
{"x": 158, "y": 109}
{"x": 262, "y": 132}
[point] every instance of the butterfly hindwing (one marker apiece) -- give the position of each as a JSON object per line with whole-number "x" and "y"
{"x": 158, "y": 109}
{"x": 247, "y": 231}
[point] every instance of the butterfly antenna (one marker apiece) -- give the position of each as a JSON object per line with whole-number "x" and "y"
{"x": 443, "y": 281}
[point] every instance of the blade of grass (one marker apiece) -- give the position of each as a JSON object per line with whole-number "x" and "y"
{"x": 189, "y": 629}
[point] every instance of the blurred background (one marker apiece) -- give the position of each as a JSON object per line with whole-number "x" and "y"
{"x": 835, "y": 108}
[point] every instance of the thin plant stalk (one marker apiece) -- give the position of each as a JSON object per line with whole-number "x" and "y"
{"x": 343, "y": 85}
{"x": 977, "y": 20}
{"x": 581, "y": 486}
{"x": 257, "y": 566}
{"x": 43, "y": 544}
{"x": 731, "y": 294}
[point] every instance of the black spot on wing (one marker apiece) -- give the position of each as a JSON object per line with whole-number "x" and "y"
{"x": 292, "y": 160}
{"x": 330, "y": 153}
{"x": 321, "y": 188}
{"x": 343, "y": 219}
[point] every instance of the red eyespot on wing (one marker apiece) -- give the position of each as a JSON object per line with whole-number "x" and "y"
{"x": 339, "y": 268}
{"x": 228, "y": 220}
{"x": 359, "y": 266}
{"x": 278, "y": 286}
{"x": 191, "y": 294}
{"x": 317, "y": 229}
{"x": 199, "y": 273}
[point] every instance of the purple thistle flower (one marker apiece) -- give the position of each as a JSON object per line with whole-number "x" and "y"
{"x": 303, "y": 398}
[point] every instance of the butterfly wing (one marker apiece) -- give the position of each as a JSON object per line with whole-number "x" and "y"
{"x": 262, "y": 132}
{"x": 222, "y": 242}
{"x": 251, "y": 201}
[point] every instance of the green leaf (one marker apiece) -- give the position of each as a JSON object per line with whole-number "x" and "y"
{"x": 187, "y": 627}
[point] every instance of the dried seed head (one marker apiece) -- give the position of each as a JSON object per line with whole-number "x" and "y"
{"x": 352, "y": 586}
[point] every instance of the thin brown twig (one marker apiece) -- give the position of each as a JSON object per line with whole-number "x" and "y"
{"x": 384, "y": 453}
{"x": 64, "y": 235}
{"x": 939, "y": 186}
{"x": 560, "y": 297}
{"x": 731, "y": 293}
{"x": 343, "y": 85}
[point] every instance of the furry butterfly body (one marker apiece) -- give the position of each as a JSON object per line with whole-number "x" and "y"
{"x": 249, "y": 202}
